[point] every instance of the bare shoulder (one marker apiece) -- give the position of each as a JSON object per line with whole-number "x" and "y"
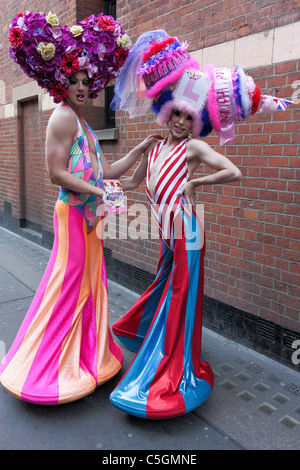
{"x": 201, "y": 152}
{"x": 197, "y": 148}
{"x": 62, "y": 122}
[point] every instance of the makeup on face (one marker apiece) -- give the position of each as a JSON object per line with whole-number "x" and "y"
{"x": 79, "y": 88}
{"x": 180, "y": 123}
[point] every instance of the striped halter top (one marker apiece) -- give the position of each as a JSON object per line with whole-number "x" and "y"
{"x": 172, "y": 175}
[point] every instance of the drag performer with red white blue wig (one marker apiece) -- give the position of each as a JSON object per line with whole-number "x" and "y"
{"x": 168, "y": 377}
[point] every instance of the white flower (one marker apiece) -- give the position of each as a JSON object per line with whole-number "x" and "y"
{"x": 124, "y": 41}
{"x": 47, "y": 51}
{"x": 52, "y": 19}
{"x": 76, "y": 30}
{"x": 20, "y": 23}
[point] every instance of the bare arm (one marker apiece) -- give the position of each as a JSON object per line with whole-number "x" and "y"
{"x": 225, "y": 170}
{"x": 139, "y": 174}
{"x": 61, "y": 130}
{"x": 118, "y": 168}
{"x": 141, "y": 171}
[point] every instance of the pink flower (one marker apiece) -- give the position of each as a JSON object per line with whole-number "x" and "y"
{"x": 70, "y": 65}
{"x": 120, "y": 56}
{"x": 15, "y": 37}
{"x": 59, "y": 93}
{"x": 106, "y": 23}
{"x": 101, "y": 51}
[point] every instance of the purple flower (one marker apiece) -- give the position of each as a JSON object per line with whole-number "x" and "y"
{"x": 109, "y": 40}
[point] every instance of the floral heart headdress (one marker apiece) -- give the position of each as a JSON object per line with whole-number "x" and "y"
{"x": 51, "y": 53}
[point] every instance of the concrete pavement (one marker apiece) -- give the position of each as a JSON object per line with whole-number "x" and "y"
{"x": 255, "y": 403}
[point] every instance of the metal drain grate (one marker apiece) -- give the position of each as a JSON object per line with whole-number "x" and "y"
{"x": 292, "y": 388}
{"x": 255, "y": 368}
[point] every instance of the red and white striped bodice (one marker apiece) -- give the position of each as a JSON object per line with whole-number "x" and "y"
{"x": 172, "y": 175}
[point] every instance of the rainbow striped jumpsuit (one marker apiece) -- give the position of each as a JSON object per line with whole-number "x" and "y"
{"x": 64, "y": 347}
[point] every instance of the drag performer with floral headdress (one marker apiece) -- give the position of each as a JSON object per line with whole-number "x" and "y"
{"x": 168, "y": 377}
{"x": 64, "y": 347}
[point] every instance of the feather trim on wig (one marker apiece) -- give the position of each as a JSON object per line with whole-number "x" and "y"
{"x": 211, "y": 100}
{"x": 171, "y": 77}
{"x": 156, "y": 47}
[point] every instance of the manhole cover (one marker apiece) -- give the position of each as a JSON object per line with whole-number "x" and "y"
{"x": 255, "y": 368}
{"x": 292, "y": 388}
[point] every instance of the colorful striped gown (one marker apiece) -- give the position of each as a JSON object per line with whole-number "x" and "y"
{"x": 167, "y": 377}
{"x": 64, "y": 347}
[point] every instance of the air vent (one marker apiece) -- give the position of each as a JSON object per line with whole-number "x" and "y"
{"x": 289, "y": 337}
{"x": 266, "y": 330}
{"x": 107, "y": 256}
{"x": 140, "y": 275}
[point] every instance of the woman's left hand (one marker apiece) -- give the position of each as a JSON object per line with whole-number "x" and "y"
{"x": 151, "y": 139}
{"x": 102, "y": 194}
{"x": 188, "y": 191}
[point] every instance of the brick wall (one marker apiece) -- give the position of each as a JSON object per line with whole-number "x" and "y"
{"x": 203, "y": 24}
{"x": 9, "y": 164}
{"x": 252, "y": 227}
{"x": 32, "y": 195}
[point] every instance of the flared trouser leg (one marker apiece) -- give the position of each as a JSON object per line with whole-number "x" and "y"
{"x": 55, "y": 355}
{"x": 168, "y": 377}
{"x": 132, "y": 328}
